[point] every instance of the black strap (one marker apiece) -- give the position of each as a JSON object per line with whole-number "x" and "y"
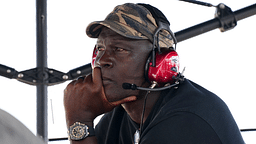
{"x": 157, "y": 14}
{"x": 91, "y": 131}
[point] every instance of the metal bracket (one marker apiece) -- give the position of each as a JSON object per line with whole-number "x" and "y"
{"x": 37, "y": 76}
{"x": 226, "y": 17}
{"x": 46, "y": 76}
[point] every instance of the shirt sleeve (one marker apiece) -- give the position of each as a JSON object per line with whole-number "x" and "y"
{"x": 181, "y": 128}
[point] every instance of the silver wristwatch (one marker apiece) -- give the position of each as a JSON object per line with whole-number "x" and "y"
{"x": 79, "y": 131}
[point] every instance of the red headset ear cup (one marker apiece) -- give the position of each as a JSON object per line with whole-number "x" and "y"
{"x": 94, "y": 54}
{"x": 167, "y": 66}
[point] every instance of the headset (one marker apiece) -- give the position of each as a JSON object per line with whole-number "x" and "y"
{"x": 162, "y": 65}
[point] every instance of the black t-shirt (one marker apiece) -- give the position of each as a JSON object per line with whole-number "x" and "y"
{"x": 189, "y": 114}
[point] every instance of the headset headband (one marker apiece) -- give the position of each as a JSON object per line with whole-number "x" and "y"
{"x": 163, "y": 24}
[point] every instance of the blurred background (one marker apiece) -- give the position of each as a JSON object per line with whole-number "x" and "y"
{"x": 221, "y": 62}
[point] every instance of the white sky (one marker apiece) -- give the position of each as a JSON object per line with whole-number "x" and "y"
{"x": 220, "y": 62}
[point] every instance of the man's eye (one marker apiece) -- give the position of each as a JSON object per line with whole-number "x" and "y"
{"x": 119, "y": 49}
{"x": 100, "y": 49}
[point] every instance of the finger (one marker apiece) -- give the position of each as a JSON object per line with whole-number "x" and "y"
{"x": 96, "y": 75}
{"x": 79, "y": 79}
{"x": 71, "y": 83}
{"x": 125, "y": 100}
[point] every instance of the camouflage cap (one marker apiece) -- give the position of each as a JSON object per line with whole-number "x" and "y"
{"x": 132, "y": 21}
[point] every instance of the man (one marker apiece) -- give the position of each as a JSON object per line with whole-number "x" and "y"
{"x": 184, "y": 114}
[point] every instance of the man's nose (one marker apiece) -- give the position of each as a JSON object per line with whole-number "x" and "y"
{"x": 104, "y": 59}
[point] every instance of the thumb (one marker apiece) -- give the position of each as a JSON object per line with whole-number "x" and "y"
{"x": 125, "y": 100}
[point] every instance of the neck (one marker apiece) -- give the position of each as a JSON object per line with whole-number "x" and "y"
{"x": 134, "y": 109}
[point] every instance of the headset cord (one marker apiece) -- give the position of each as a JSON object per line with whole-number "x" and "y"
{"x": 154, "y": 84}
{"x": 137, "y": 134}
{"x": 143, "y": 111}
{"x": 139, "y": 131}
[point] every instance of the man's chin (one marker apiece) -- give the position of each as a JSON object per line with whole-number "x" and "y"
{"x": 114, "y": 93}
{"x": 113, "y": 98}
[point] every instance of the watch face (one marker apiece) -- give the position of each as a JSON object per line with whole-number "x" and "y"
{"x": 78, "y": 132}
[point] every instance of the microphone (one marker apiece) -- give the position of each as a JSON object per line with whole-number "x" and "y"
{"x": 179, "y": 78}
{"x": 129, "y": 86}
{"x": 135, "y": 87}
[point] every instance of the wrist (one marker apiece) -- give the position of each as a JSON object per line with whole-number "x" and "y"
{"x": 71, "y": 122}
{"x": 79, "y": 131}
{"x": 71, "y": 119}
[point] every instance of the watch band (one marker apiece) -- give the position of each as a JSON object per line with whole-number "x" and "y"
{"x": 79, "y": 131}
{"x": 91, "y": 131}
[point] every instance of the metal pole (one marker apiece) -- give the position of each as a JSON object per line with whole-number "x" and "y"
{"x": 197, "y": 30}
{"x": 245, "y": 12}
{"x": 212, "y": 24}
{"x": 41, "y": 38}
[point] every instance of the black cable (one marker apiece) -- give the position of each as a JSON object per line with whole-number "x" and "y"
{"x": 246, "y": 130}
{"x": 198, "y": 2}
{"x": 143, "y": 111}
{"x": 58, "y": 139}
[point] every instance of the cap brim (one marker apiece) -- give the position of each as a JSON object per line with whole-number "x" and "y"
{"x": 93, "y": 29}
